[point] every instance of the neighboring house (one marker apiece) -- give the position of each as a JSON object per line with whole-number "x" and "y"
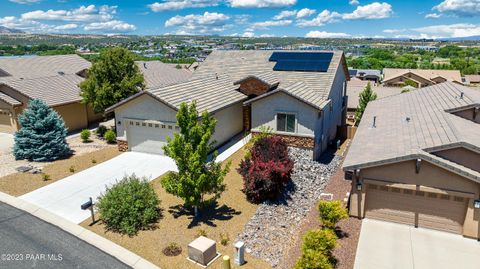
{"x": 159, "y": 74}
{"x": 415, "y": 159}
{"x": 53, "y": 79}
{"x": 366, "y": 74}
{"x": 393, "y": 77}
{"x": 299, "y": 95}
{"x": 472, "y": 80}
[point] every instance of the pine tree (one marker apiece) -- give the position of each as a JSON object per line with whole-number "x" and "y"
{"x": 197, "y": 174}
{"x": 366, "y": 96}
{"x": 42, "y": 136}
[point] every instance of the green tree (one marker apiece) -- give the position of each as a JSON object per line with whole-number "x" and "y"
{"x": 112, "y": 78}
{"x": 197, "y": 175}
{"x": 42, "y": 136}
{"x": 366, "y": 96}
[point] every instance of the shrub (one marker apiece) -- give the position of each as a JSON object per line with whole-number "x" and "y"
{"x": 94, "y": 161}
{"x": 224, "y": 239}
{"x": 42, "y": 136}
{"x": 267, "y": 171}
{"x": 110, "y": 137}
{"x": 322, "y": 240}
{"x": 101, "y": 130}
{"x": 71, "y": 169}
{"x": 331, "y": 212}
{"x": 129, "y": 206}
{"x": 45, "y": 177}
{"x": 85, "y": 135}
{"x": 312, "y": 259}
{"x": 173, "y": 249}
{"x": 201, "y": 232}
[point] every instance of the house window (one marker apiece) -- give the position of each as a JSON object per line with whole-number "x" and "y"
{"x": 286, "y": 122}
{"x": 150, "y": 125}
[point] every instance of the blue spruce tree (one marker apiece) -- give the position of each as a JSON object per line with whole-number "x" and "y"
{"x": 42, "y": 136}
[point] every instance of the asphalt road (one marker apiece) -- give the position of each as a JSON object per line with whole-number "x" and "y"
{"x": 28, "y": 242}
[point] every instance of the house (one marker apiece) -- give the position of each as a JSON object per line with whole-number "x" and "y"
{"x": 472, "y": 80}
{"x": 157, "y": 74}
{"x": 366, "y": 74}
{"x": 299, "y": 95}
{"x": 415, "y": 160}
{"x": 393, "y": 77}
{"x": 53, "y": 79}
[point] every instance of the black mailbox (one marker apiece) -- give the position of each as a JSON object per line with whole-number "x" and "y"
{"x": 86, "y": 205}
{"x": 89, "y": 205}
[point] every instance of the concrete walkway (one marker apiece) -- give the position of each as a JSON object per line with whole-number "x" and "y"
{"x": 388, "y": 245}
{"x": 6, "y": 142}
{"x": 65, "y": 196}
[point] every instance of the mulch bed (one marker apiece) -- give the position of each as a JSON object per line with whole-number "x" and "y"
{"x": 348, "y": 230}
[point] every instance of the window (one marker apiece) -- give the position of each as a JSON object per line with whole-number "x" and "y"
{"x": 286, "y": 122}
{"x": 144, "y": 124}
{"x": 150, "y": 125}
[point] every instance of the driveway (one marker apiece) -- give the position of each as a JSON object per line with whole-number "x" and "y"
{"x": 6, "y": 142}
{"x": 65, "y": 196}
{"x": 389, "y": 245}
{"x": 33, "y": 243}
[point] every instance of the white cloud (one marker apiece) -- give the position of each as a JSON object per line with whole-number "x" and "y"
{"x": 110, "y": 26}
{"x": 23, "y": 2}
{"x": 82, "y": 14}
{"x": 202, "y": 23}
{"x": 267, "y": 24}
{"x": 69, "y": 26}
{"x": 433, "y": 16}
{"x": 322, "y": 18}
{"x": 261, "y": 3}
{"x": 449, "y": 30}
{"x": 323, "y": 34}
{"x": 459, "y": 7}
{"x": 181, "y": 4}
{"x": 267, "y": 35}
{"x": 248, "y": 34}
{"x": 353, "y": 2}
{"x": 394, "y": 31}
{"x": 305, "y": 12}
{"x": 285, "y": 14}
{"x": 371, "y": 11}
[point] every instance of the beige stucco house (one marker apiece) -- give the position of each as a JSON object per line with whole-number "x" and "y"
{"x": 415, "y": 160}
{"x": 244, "y": 90}
{"x": 395, "y": 77}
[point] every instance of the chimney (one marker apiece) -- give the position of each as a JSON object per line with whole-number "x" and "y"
{"x": 374, "y": 121}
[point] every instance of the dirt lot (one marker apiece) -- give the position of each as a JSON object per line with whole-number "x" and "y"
{"x": 20, "y": 183}
{"x": 228, "y": 217}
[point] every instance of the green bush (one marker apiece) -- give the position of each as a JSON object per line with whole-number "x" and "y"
{"x": 322, "y": 240}
{"x": 312, "y": 259}
{"x": 331, "y": 212}
{"x": 129, "y": 206}
{"x": 85, "y": 135}
{"x": 101, "y": 130}
{"x": 110, "y": 136}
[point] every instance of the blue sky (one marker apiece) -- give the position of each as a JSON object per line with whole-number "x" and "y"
{"x": 301, "y": 18}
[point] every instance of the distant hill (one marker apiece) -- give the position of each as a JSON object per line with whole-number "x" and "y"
{"x": 467, "y": 38}
{"x": 5, "y": 30}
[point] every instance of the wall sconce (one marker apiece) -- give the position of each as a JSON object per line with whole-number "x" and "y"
{"x": 359, "y": 186}
{"x": 476, "y": 203}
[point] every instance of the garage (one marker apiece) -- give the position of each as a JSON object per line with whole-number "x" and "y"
{"x": 6, "y": 122}
{"x": 148, "y": 136}
{"x": 417, "y": 208}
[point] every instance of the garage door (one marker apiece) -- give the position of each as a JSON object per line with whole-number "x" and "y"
{"x": 5, "y": 122}
{"x": 416, "y": 208}
{"x": 148, "y": 137}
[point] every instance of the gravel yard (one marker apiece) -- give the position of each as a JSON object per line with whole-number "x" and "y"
{"x": 274, "y": 228}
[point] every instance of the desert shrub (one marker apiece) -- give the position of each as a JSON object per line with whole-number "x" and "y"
{"x": 46, "y": 177}
{"x": 224, "y": 239}
{"x": 312, "y": 259}
{"x": 173, "y": 249}
{"x": 110, "y": 137}
{"x": 201, "y": 232}
{"x": 101, "y": 130}
{"x": 267, "y": 171}
{"x": 331, "y": 212}
{"x": 94, "y": 161}
{"x": 322, "y": 240}
{"x": 71, "y": 169}
{"x": 85, "y": 135}
{"x": 129, "y": 206}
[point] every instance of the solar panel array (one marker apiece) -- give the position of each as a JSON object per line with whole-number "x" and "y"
{"x": 301, "y": 61}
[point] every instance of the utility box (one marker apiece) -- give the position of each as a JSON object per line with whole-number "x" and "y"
{"x": 239, "y": 253}
{"x": 202, "y": 250}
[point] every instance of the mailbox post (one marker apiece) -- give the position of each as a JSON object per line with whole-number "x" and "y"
{"x": 89, "y": 205}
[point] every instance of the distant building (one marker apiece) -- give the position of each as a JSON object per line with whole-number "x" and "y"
{"x": 393, "y": 77}
{"x": 366, "y": 74}
{"x": 472, "y": 80}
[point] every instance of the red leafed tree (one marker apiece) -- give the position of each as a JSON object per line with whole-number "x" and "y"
{"x": 267, "y": 170}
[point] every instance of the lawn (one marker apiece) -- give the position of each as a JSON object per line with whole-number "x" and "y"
{"x": 20, "y": 183}
{"x": 228, "y": 216}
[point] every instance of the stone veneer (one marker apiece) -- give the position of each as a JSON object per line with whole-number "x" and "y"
{"x": 122, "y": 145}
{"x": 296, "y": 141}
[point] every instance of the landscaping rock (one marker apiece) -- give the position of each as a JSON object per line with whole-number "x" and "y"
{"x": 272, "y": 228}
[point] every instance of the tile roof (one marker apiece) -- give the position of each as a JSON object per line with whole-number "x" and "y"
{"x": 430, "y": 125}
{"x": 472, "y": 78}
{"x": 42, "y": 66}
{"x": 9, "y": 100}
{"x": 267, "y": 77}
{"x": 54, "y": 90}
{"x": 159, "y": 74}
{"x": 449, "y": 75}
{"x": 238, "y": 64}
{"x": 353, "y": 92}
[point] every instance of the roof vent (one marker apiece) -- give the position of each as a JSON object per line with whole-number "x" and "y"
{"x": 461, "y": 95}
{"x": 145, "y": 65}
{"x": 408, "y": 119}
{"x": 216, "y": 76}
{"x": 374, "y": 121}
{"x": 61, "y": 73}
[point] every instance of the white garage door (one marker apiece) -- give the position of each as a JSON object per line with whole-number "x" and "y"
{"x": 148, "y": 137}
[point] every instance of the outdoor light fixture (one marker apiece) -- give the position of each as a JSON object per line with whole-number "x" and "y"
{"x": 359, "y": 186}
{"x": 476, "y": 203}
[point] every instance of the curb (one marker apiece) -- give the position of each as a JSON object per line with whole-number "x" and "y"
{"x": 129, "y": 258}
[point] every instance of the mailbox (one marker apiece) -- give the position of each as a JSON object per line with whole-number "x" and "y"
{"x": 89, "y": 205}
{"x": 239, "y": 253}
{"x": 86, "y": 205}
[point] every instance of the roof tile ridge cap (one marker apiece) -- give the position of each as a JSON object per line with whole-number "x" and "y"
{"x": 16, "y": 79}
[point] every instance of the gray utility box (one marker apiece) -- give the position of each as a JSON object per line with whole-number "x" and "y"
{"x": 202, "y": 250}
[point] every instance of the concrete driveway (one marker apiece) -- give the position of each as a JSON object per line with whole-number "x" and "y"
{"x": 65, "y": 196}
{"x": 388, "y": 245}
{"x": 6, "y": 142}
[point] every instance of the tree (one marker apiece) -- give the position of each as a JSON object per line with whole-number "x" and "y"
{"x": 112, "y": 78}
{"x": 366, "y": 96}
{"x": 197, "y": 176}
{"x": 42, "y": 136}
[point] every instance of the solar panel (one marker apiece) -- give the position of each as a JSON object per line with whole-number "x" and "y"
{"x": 301, "y": 61}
